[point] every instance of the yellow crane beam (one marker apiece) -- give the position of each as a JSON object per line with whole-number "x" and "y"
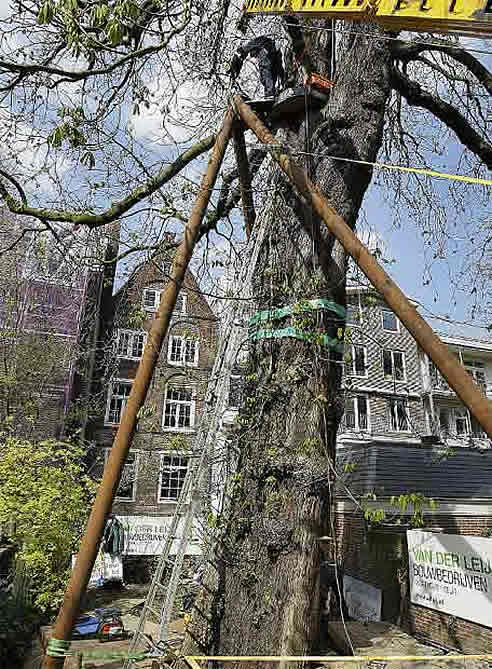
{"x": 462, "y": 17}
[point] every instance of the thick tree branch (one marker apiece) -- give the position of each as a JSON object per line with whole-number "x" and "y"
{"x": 416, "y": 96}
{"x": 32, "y": 68}
{"x": 406, "y": 52}
{"x": 117, "y": 209}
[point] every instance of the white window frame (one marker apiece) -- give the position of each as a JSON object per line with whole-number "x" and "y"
{"x": 358, "y": 310}
{"x": 392, "y": 406}
{"x": 157, "y": 297}
{"x": 353, "y": 370}
{"x": 192, "y": 403}
{"x": 111, "y": 395}
{"x": 157, "y": 300}
{"x": 182, "y": 361}
{"x": 131, "y": 336}
{"x": 404, "y": 365}
{"x": 388, "y": 311}
{"x": 473, "y": 366}
{"x": 171, "y": 454}
{"x": 134, "y": 483}
{"x": 455, "y": 414}
{"x": 357, "y": 428}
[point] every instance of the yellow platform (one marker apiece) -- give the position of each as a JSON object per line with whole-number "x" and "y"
{"x": 464, "y": 17}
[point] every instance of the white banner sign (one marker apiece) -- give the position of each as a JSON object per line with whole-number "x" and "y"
{"x": 363, "y": 600}
{"x": 452, "y": 574}
{"x": 106, "y": 568}
{"x": 145, "y": 535}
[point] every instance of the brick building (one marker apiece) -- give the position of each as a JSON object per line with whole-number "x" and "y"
{"x": 160, "y": 454}
{"x": 404, "y": 431}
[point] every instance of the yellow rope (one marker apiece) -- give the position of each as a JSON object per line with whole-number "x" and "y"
{"x": 433, "y": 173}
{"x": 192, "y": 659}
{"x": 416, "y": 170}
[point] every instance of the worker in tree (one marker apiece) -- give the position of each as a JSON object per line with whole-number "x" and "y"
{"x": 269, "y": 61}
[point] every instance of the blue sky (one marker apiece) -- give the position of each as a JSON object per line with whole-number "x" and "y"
{"x": 405, "y": 246}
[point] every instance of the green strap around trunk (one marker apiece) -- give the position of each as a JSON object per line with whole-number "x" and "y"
{"x": 308, "y": 305}
{"x": 61, "y": 648}
{"x": 323, "y": 339}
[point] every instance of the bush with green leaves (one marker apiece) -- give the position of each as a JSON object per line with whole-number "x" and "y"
{"x": 45, "y": 497}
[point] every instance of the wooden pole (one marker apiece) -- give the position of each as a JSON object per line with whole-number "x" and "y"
{"x": 244, "y": 179}
{"x": 103, "y": 503}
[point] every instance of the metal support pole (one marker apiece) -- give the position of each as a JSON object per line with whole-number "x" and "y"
{"x": 244, "y": 178}
{"x": 457, "y": 377}
{"x": 112, "y": 472}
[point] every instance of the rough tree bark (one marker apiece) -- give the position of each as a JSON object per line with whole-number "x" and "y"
{"x": 260, "y": 595}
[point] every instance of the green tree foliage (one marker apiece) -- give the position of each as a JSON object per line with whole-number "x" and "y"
{"x": 45, "y": 495}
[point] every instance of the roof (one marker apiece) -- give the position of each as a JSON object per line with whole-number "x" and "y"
{"x": 472, "y": 342}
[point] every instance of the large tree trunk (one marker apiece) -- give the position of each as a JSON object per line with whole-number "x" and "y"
{"x": 261, "y": 594}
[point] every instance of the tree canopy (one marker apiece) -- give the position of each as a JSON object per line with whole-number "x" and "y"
{"x": 105, "y": 105}
{"x": 45, "y": 496}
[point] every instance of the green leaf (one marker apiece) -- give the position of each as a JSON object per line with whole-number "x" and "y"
{"x": 45, "y": 13}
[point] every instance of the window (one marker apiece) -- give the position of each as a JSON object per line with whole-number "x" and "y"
{"x": 172, "y": 477}
{"x": 353, "y": 316}
{"x": 461, "y": 421}
{"x": 130, "y": 344}
{"x": 454, "y": 421}
{"x": 356, "y": 413}
{"x": 393, "y": 365}
{"x": 390, "y": 321}
{"x": 476, "y": 369}
{"x": 118, "y": 395}
{"x": 179, "y": 408}
{"x": 182, "y": 351}
{"x": 398, "y": 416}
{"x": 152, "y": 298}
{"x": 180, "y": 307}
{"x": 438, "y": 382}
{"x": 128, "y": 484}
{"x": 358, "y": 360}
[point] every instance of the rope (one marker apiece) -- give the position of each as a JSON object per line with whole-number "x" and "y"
{"x": 416, "y": 170}
{"x": 60, "y": 648}
{"x": 334, "y": 658}
{"x": 278, "y": 148}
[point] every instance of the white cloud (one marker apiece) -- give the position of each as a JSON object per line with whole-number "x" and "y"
{"x": 187, "y": 111}
{"x": 147, "y": 123}
{"x": 5, "y": 9}
{"x": 28, "y": 160}
{"x": 180, "y": 120}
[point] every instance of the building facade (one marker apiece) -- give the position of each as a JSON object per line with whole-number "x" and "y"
{"x": 406, "y": 439}
{"x": 161, "y": 449}
{"x": 51, "y": 297}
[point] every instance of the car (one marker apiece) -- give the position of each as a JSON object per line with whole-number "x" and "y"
{"x": 103, "y": 624}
